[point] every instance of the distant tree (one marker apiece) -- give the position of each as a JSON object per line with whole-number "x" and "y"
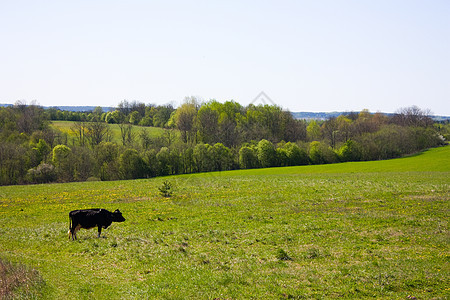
{"x": 145, "y": 139}
{"x": 106, "y": 152}
{"x": 169, "y": 136}
{"x": 249, "y": 125}
{"x": 83, "y": 163}
{"x": 151, "y": 163}
{"x": 187, "y": 160}
{"x": 184, "y": 119}
{"x": 248, "y": 157}
{"x": 41, "y": 151}
{"x": 79, "y": 129}
{"x": 320, "y": 153}
{"x": 30, "y": 117}
{"x": 98, "y": 110}
{"x": 349, "y": 152}
{"x": 227, "y": 130}
{"x": 162, "y": 115}
{"x": 146, "y": 121}
{"x": 127, "y": 134}
{"x": 344, "y": 128}
{"x": 207, "y": 124}
{"x": 313, "y": 131}
{"x": 106, "y": 155}
{"x": 292, "y": 130}
{"x": 365, "y": 123}
{"x": 97, "y": 132}
{"x": 62, "y": 160}
{"x": 221, "y": 157}
{"x": 203, "y": 161}
{"x": 266, "y": 154}
{"x": 282, "y": 158}
{"x": 330, "y": 130}
{"x": 412, "y": 116}
{"x": 296, "y": 156}
{"x": 115, "y": 117}
{"x": 131, "y": 165}
{"x": 124, "y": 107}
{"x": 164, "y": 160}
{"x": 43, "y": 173}
{"x": 424, "y": 138}
{"x": 13, "y": 163}
{"x": 135, "y": 117}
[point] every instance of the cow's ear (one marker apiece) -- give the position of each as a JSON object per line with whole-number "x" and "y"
{"x": 117, "y": 211}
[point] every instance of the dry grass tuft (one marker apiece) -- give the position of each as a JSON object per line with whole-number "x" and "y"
{"x": 18, "y": 281}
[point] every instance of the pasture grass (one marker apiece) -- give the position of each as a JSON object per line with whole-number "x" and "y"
{"x": 65, "y": 127}
{"x": 354, "y": 230}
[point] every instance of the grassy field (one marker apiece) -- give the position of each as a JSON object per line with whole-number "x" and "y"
{"x": 65, "y": 127}
{"x": 354, "y": 230}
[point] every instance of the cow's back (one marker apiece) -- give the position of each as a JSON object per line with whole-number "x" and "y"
{"x": 88, "y": 218}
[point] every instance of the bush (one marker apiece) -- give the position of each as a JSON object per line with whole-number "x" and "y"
{"x": 222, "y": 157}
{"x": 282, "y": 255}
{"x": 131, "y": 165}
{"x": 267, "y": 155}
{"x": 92, "y": 178}
{"x": 248, "y": 158}
{"x": 43, "y": 173}
{"x": 349, "y": 152}
{"x": 319, "y": 153}
{"x": 202, "y": 158}
{"x": 296, "y": 156}
{"x": 164, "y": 161}
{"x": 62, "y": 160}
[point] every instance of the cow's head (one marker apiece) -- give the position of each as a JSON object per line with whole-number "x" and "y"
{"x": 117, "y": 216}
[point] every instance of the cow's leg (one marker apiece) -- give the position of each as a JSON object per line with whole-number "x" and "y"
{"x": 74, "y": 233}
{"x": 99, "y": 230}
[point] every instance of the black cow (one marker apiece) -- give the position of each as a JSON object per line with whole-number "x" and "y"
{"x": 90, "y": 218}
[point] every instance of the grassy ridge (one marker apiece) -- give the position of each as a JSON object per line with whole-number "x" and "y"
{"x": 434, "y": 160}
{"x": 354, "y": 230}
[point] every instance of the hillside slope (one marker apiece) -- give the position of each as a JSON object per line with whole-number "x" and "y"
{"x": 354, "y": 230}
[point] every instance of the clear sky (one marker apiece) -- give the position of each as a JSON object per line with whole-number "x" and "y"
{"x": 315, "y": 55}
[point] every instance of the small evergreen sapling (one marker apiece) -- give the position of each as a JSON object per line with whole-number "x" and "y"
{"x": 166, "y": 189}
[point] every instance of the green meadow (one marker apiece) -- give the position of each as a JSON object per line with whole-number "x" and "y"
{"x": 352, "y": 230}
{"x": 66, "y": 127}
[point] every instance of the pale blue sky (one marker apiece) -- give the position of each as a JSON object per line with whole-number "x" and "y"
{"x": 318, "y": 55}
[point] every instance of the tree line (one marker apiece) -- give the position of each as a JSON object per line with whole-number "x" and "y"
{"x": 198, "y": 137}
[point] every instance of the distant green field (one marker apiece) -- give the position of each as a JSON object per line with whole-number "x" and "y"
{"x": 354, "y": 230}
{"x": 65, "y": 126}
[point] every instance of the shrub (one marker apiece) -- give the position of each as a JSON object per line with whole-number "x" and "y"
{"x": 320, "y": 153}
{"x": 131, "y": 165}
{"x": 166, "y": 189}
{"x": 296, "y": 156}
{"x": 222, "y": 157}
{"x": 62, "y": 160}
{"x": 43, "y": 173}
{"x": 267, "y": 155}
{"x": 248, "y": 158}
{"x": 349, "y": 152}
{"x": 92, "y": 178}
{"x": 282, "y": 255}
